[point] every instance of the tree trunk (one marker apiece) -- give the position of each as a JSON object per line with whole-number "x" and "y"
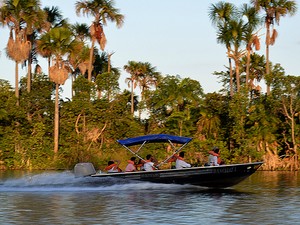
{"x": 267, "y": 56}
{"x": 237, "y": 74}
{"x": 17, "y": 83}
{"x": 231, "y": 75}
{"x": 248, "y": 68}
{"x": 29, "y": 74}
{"x": 56, "y": 121}
{"x": 132, "y": 101}
{"x": 91, "y": 60}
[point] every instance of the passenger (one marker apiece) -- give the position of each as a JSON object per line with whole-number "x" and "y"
{"x": 150, "y": 163}
{"x": 131, "y": 165}
{"x": 140, "y": 165}
{"x": 113, "y": 166}
{"x": 214, "y": 157}
{"x": 180, "y": 163}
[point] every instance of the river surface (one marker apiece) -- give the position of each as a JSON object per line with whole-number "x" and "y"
{"x": 59, "y": 198}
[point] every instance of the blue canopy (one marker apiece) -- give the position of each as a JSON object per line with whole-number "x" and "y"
{"x": 154, "y": 138}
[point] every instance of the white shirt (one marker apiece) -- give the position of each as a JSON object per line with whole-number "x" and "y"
{"x": 148, "y": 166}
{"x": 180, "y": 164}
{"x": 213, "y": 160}
{"x": 113, "y": 170}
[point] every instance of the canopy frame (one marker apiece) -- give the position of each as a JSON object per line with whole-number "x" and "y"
{"x": 155, "y": 138}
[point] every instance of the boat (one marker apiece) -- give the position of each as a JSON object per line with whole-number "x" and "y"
{"x": 222, "y": 176}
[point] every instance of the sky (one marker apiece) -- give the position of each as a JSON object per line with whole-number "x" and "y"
{"x": 175, "y": 36}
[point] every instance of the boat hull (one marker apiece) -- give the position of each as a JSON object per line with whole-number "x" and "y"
{"x": 211, "y": 176}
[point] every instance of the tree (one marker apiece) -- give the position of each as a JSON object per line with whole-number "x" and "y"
{"x": 220, "y": 14}
{"x": 234, "y": 31}
{"x": 81, "y": 31}
{"x": 21, "y": 17}
{"x": 209, "y": 123}
{"x": 102, "y": 11}
{"x": 108, "y": 79}
{"x": 135, "y": 69}
{"x": 55, "y": 19}
{"x": 251, "y": 37}
{"x": 108, "y": 83}
{"x": 287, "y": 89}
{"x": 273, "y": 10}
{"x": 148, "y": 79}
{"x": 172, "y": 102}
{"x": 58, "y": 42}
{"x": 256, "y": 70}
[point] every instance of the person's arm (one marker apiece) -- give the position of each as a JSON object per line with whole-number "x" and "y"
{"x": 117, "y": 164}
{"x": 186, "y": 165}
{"x": 182, "y": 164}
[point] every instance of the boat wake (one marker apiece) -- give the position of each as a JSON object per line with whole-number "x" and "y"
{"x": 66, "y": 182}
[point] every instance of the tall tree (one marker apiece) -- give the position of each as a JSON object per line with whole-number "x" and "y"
{"x": 220, "y": 14}
{"x": 21, "y": 17}
{"x": 250, "y": 35}
{"x": 148, "y": 79}
{"x": 55, "y": 18}
{"x": 135, "y": 69}
{"x": 59, "y": 43}
{"x": 273, "y": 10}
{"x": 81, "y": 31}
{"x": 102, "y": 11}
{"x": 107, "y": 80}
{"x": 256, "y": 70}
{"x": 285, "y": 91}
{"x": 234, "y": 31}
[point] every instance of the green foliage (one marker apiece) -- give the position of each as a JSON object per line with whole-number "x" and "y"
{"x": 89, "y": 126}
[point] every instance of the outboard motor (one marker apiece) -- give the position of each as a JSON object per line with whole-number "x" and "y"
{"x": 84, "y": 169}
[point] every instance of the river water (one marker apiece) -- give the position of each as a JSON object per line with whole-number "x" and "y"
{"x": 59, "y": 198}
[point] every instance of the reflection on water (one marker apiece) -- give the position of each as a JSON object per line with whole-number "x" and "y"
{"x": 59, "y": 198}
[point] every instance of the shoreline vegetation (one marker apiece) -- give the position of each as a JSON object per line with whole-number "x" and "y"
{"x": 39, "y": 130}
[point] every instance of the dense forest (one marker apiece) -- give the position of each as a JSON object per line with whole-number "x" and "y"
{"x": 39, "y": 130}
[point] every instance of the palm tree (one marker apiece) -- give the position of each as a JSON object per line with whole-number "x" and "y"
{"x": 273, "y": 11}
{"x": 220, "y": 14}
{"x": 79, "y": 59}
{"x": 21, "y": 17}
{"x": 107, "y": 80}
{"x": 80, "y": 31}
{"x": 233, "y": 33}
{"x": 209, "y": 124}
{"x": 55, "y": 18}
{"x": 148, "y": 79}
{"x": 251, "y": 37}
{"x": 135, "y": 69}
{"x": 57, "y": 42}
{"x": 257, "y": 69}
{"x": 35, "y": 25}
{"x": 102, "y": 11}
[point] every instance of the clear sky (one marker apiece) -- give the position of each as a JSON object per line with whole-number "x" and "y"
{"x": 175, "y": 36}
